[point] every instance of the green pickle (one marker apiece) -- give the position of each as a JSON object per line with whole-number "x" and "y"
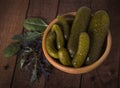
{"x": 82, "y": 51}
{"x": 50, "y": 45}
{"x": 69, "y": 19}
{"x": 78, "y": 40}
{"x": 97, "y": 30}
{"x": 59, "y": 36}
{"x": 64, "y": 57}
{"x": 79, "y": 25}
{"x": 62, "y": 21}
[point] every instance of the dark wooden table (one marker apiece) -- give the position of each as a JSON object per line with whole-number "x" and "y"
{"x": 12, "y": 15}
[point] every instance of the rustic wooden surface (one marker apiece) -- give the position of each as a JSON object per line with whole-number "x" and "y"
{"x": 12, "y": 15}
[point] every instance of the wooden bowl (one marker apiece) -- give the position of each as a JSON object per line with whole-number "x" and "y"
{"x": 73, "y": 70}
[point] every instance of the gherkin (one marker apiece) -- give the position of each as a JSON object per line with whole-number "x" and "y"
{"x": 65, "y": 27}
{"x": 64, "y": 57}
{"x": 59, "y": 36}
{"x": 79, "y": 25}
{"x": 50, "y": 45}
{"x": 82, "y": 51}
{"x": 97, "y": 30}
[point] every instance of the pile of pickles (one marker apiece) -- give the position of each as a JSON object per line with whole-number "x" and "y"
{"x": 78, "y": 40}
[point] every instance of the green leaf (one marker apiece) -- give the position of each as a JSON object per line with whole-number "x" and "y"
{"x": 34, "y": 72}
{"x": 35, "y": 24}
{"x": 28, "y": 36}
{"x": 18, "y": 37}
{"x": 22, "y": 61}
{"x": 23, "y": 56}
{"x": 11, "y": 49}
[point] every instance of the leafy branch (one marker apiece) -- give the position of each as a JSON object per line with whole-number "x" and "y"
{"x": 28, "y": 47}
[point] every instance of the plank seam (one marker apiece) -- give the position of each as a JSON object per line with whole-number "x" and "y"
{"x": 119, "y": 73}
{"x": 58, "y": 4}
{"x": 81, "y": 77}
{"x": 13, "y": 75}
{"x": 80, "y": 86}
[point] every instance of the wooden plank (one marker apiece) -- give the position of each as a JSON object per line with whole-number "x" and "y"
{"x": 115, "y": 26}
{"x": 12, "y": 14}
{"x": 59, "y": 79}
{"x": 46, "y": 10}
{"x": 106, "y": 76}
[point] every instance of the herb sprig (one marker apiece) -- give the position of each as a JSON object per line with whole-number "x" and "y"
{"x": 28, "y": 47}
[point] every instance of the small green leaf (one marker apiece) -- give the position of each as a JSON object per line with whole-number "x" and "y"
{"x": 18, "y": 37}
{"x": 22, "y": 61}
{"x": 35, "y": 24}
{"x": 23, "y": 56}
{"x": 11, "y": 49}
{"x": 34, "y": 72}
{"x": 28, "y": 36}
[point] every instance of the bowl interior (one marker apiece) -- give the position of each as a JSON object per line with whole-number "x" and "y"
{"x": 73, "y": 70}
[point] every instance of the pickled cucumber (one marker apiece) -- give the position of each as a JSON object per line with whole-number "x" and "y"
{"x": 97, "y": 30}
{"x": 65, "y": 26}
{"x": 69, "y": 19}
{"x": 64, "y": 57}
{"x": 80, "y": 24}
{"x": 50, "y": 45}
{"x": 59, "y": 36}
{"x": 83, "y": 47}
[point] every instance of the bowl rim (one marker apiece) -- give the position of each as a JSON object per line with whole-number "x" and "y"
{"x": 73, "y": 70}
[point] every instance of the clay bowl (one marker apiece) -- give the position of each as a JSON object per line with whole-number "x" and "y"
{"x": 73, "y": 70}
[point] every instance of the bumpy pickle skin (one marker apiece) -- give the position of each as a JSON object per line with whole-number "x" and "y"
{"x": 62, "y": 21}
{"x": 79, "y": 25}
{"x": 59, "y": 36}
{"x": 82, "y": 51}
{"x": 50, "y": 45}
{"x": 98, "y": 29}
{"x": 64, "y": 57}
{"x": 69, "y": 19}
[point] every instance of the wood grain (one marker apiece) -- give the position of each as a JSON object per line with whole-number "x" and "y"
{"x": 106, "y": 76}
{"x": 12, "y": 14}
{"x": 46, "y": 10}
{"x": 59, "y": 79}
{"x": 115, "y": 26}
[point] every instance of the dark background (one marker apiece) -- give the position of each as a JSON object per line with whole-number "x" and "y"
{"x": 12, "y": 15}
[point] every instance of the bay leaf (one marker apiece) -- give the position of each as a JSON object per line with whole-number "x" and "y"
{"x": 28, "y": 36}
{"x": 23, "y": 56}
{"x": 33, "y": 77}
{"x": 34, "y": 24}
{"x": 11, "y": 49}
{"x": 18, "y": 37}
